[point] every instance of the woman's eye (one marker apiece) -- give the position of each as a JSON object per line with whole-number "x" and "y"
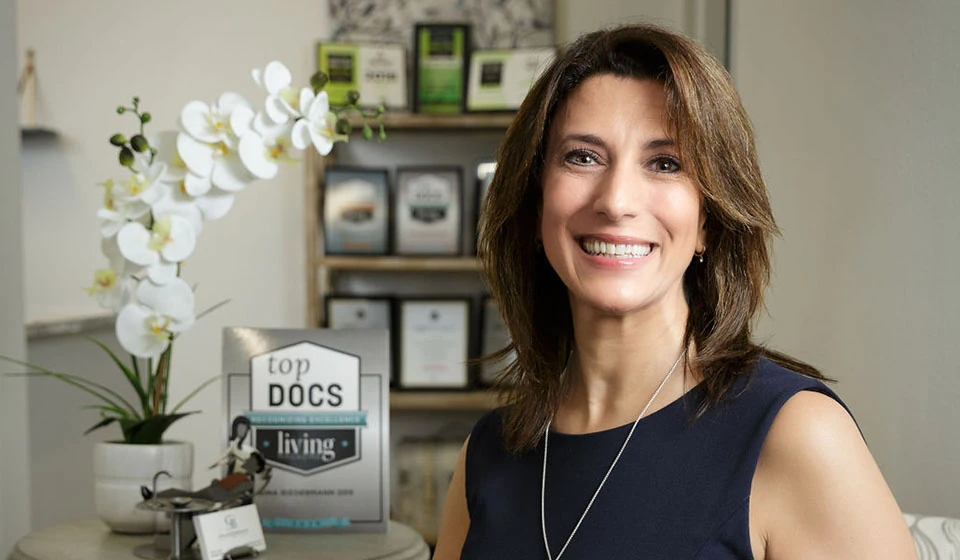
{"x": 581, "y": 158}
{"x": 665, "y": 164}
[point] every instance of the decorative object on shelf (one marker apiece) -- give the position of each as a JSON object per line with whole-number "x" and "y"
{"x": 433, "y": 343}
{"x": 424, "y": 469}
{"x": 428, "y": 211}
{"x": 497, "y": 24}
{"x": 378, "y": 71}
{"x": 317, "y": 401}
{"x": 441, "y": 54}
{"x": 500, "y": 79}
{"x": 151, "y": 219}
{"x": 356, "y": 211}
{"x": 358, "y": 312}
{"x": 27, "y": 87}
{"x": 190, "y": 511}
{"x": 494, "y": 337}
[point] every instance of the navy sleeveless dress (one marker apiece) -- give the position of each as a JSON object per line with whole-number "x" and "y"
{"x": 680, "y": 491}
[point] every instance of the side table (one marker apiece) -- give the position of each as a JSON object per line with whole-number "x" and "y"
{"x": 90, "y": 539}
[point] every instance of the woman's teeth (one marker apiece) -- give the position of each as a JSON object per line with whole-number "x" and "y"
{"x": 615, "y": 250}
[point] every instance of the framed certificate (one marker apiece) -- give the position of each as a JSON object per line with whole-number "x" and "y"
{"x": 357, "y": 312}
{"x": 433, "y": 343}
{"x": 356, "y": 211}
{"x": 499, "y": 80}
{"x": 441, "y": 54}
{"x": 377, "y": 71}
{"x": 428, "y": 211}
{"x": 494, "y": 336}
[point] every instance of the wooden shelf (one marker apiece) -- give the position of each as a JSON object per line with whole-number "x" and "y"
{"x": 431, "y": 264}
{"x": 443, "y": 400}
{"x": 457, "y": 122}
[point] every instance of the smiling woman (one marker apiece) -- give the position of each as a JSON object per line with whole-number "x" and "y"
{"x": 626, "y": 237}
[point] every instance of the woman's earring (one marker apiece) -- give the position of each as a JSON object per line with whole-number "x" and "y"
{"x": 699, "y": 254}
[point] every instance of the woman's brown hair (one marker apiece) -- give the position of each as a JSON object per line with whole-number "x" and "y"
{"x": 715, "y": 141}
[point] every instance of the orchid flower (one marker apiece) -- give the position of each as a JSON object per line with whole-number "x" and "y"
{"x": 146, "y": 326}
{"x": 318, "y": 125}
{"x": 161, "y": 248}
{"x": 281, "y": 97}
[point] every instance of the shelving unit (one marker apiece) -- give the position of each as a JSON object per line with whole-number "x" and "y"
{"x": 443, "y": 400}
{"x": 322, "y": 266}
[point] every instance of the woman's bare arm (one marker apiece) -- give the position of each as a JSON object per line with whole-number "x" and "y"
{"x": 817, "y": 492}
{"x": 456, "y": 518}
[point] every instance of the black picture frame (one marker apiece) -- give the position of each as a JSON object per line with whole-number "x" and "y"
{"x": 433, "y": 357}
{"x": 428, "y": 211}
{"x": 352, "y": 197}
{"x": 440, "y": 90}
{"x": 336, "y": 306}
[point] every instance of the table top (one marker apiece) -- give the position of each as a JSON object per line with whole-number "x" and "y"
{"x": 90, "y": 539}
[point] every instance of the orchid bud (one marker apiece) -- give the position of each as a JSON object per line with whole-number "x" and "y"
{"x": 118, "y": 140}
{"x": 121, "y": 110}
{"x": 145, "y": 118}
{"x": 343, "y": 126}
{"x": 126, "y": 157}
{"x": 318, "y": 81}
{"x": 139, "y": 143}
{"x": 367, "y": 132}
{"x": 353, "y": 96}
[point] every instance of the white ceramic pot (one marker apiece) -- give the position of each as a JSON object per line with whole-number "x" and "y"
{"x": 119, "y": 469}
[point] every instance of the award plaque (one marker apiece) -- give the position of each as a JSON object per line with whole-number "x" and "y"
{"x": 356, "y": 211}
{"x": 440, "y": 67}
{"x": 499, "y": 80}
{"x": 317, "y": 402}
{"x": 378, "y": 72}
{"x": 434, "y": 343}
{"x": 428, "y": 212}
{"x": 494, "y": 337}
{"x": 349, "y": 312}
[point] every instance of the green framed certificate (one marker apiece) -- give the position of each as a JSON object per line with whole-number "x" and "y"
{"x": 377, "y": 71}
{"x": 440, "y": 67}
{"x": 500, "y": 79}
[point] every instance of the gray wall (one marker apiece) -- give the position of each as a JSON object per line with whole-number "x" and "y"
{"x": 855, "y": 106}
{"x": 14, "y": 454}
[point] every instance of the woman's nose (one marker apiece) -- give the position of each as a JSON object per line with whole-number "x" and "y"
{"x": 618, "y": 193}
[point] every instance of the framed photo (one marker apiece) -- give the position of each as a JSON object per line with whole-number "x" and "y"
{"x": 433, "y": 343}
{"x": 441, "y": 55}
{"x": 358, "y": 312}
{"x": 378, "y": 71}
{"x": 356, "y": 211}
{"x": 500, "y": 79}
{"x": 493, "y": 336}
{"x": 428, "y": 211}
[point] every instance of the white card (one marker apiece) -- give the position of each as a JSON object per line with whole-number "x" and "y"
{"x": 221, "y": 531}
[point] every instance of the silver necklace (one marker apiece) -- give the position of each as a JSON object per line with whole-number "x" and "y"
{"x": 543, "y": 478}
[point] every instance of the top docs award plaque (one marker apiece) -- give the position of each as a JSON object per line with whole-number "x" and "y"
{"x": 317, "y": 403}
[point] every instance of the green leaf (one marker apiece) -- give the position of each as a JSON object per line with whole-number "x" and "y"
{"x": 212, "y": 308}
{"x": 118, "y": 411}
{"x": 150, "y": 430}
{"x": 81, "y": 383}
{"x": 193, "y": 393}
{"x": 105, "y": 422}
{"x": 132, "y": 377}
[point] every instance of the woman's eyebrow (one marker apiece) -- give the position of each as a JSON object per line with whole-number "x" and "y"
{"x": 654, "y": 144}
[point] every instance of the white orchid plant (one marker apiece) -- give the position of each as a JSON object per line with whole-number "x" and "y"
{"x": 151, "y": 219}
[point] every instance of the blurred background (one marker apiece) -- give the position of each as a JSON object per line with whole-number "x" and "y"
{"x": 855, "y": 109}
